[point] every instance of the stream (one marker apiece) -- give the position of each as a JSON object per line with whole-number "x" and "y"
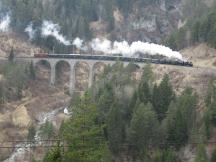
{"x": 22, "y": 148}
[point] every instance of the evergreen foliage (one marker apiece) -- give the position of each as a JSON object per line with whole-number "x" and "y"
{"x": 182, "y": 120}
{"x": 105, "y": 101}
{"x": 47, "y": 130}
{"x": 165, "y": 156}
{"x": 144, "y": 89}
{"x": 209, "y": 119}
{"x": 2, "y": 92}
{"x": 84, "y": 133}
{"x": 201, "y": 154}
{"x": 201, "y": 30}
{"x": 211, "y": 102}
{"x": 162, "y": 96}
{"x": 32, "y": 71}
{"x": 31, "y": 133}
{"x": 53, "y": 155}
{"x": 11, "y": 56}
{"x": 16, "y": 79}
{"x": 107, "y": 123}
{"x": 115, "y": 128}
{"x": 143, "y": 130}
{"x": 213, "y": 158}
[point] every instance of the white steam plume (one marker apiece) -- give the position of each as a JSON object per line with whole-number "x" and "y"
{"x": 5, "y": 23}
{"x": 78, "y": 43}
{"x": 126, "y": 49}
{"x": 51, "y": 29}
{"x": 104, "y": 46}
{"x": 31, "y": 31}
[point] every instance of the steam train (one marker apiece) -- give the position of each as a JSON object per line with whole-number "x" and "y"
{"x": 117, "y": 57}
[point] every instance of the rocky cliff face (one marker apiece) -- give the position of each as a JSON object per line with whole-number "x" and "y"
{"x": 146, "y": 20}
{"x": 150, "y": 22}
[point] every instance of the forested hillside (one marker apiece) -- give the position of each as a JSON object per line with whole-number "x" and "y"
{"x": 120, "y": 119}
{"x": 196, "y": 31}
{"x": 158, "y": 113}
{"x": 145, "y": 20}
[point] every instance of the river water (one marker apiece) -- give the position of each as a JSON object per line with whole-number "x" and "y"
{"x": 22, "y": 149}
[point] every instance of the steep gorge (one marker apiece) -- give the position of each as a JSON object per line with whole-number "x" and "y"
{"x": 144, "y": 21}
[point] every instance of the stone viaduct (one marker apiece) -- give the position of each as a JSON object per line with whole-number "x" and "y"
{"x": 72, "y": 63}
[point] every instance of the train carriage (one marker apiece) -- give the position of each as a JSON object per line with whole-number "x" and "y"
{"x": 116, "y": 57}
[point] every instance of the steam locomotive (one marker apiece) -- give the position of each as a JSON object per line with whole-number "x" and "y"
{"x": 118, "y": 57}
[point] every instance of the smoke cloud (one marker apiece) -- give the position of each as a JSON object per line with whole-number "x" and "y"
{"x": 31, "y": 31}
{"x": 5, "y": 23}
{"x": 126, "y": 49}
{"x": 99, "y": 45}
{"x": 78, "y": 43}
{"x": 51, "y": 29}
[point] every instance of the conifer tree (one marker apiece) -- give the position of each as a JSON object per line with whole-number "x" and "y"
{"x": 53, "y": 155}
{"x": 165, "y": 156}
{"x": 11, "y": 55}
{"x": 182, "y": 120}
{"x": 115, "y": 127}
{"x": 201, "y": 155}
{"x": 31, "y": 132}
{"x": 47, "y": 130}
{"x": 144, "y": 90}
{"x": 211, "y": 102}
{"x": 32, "y": 71}
{"x": 84, "y": 133}
{"x": 143, "y": 130}
{"x": 132, "y": 106}
{"x": 177, "y": 131}
{"x": 213, "y": 158}
{"x": 2, "y": 93}
{"x": 105, "y": 101}
{"x": 162, "y": 97}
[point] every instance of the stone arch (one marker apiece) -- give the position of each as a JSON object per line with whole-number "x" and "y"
{"x": 135, "y": 70}
{"x": 62, "y": 73}
{"x": 98, "y": 68}
{"x": 82, "y": 74}
{"x": 43, "y": 70}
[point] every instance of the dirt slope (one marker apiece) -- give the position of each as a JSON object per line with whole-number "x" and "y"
{"x": 20, "y": 45}
{"x": 40, "y": 97}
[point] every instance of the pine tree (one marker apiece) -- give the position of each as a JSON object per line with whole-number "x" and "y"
{"x": 181, "y": 121}
{"x": 177, "y": 130}
{"x": 165, "y": 156}
{"x": 195, "y": 32}
{"x": 84, "y": 133}
{"x": 132, "y": 106}
{"x": 143, "y": 130}
{"x": 211, "y": 102}
{"x": 213, "y": 158}
{"x": 144, "y": 89}
{"x": 144, "y": 92}
{"x": 32, "y": 71}
{"x": 201, "y": 154}
{"x": 31, "y": 132}
{"x": 53, "y": 155}
{"x": 46, "y": 130}
{"x": 105, "y": 101}
{"x": 162, "y": 96}
{"x": 11, "y": 55}
{"x": 115, "y": 127}
{"x": 148, "y": 75}
{"x": 2, "y": 93}
{"x": 187, "y": 103}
